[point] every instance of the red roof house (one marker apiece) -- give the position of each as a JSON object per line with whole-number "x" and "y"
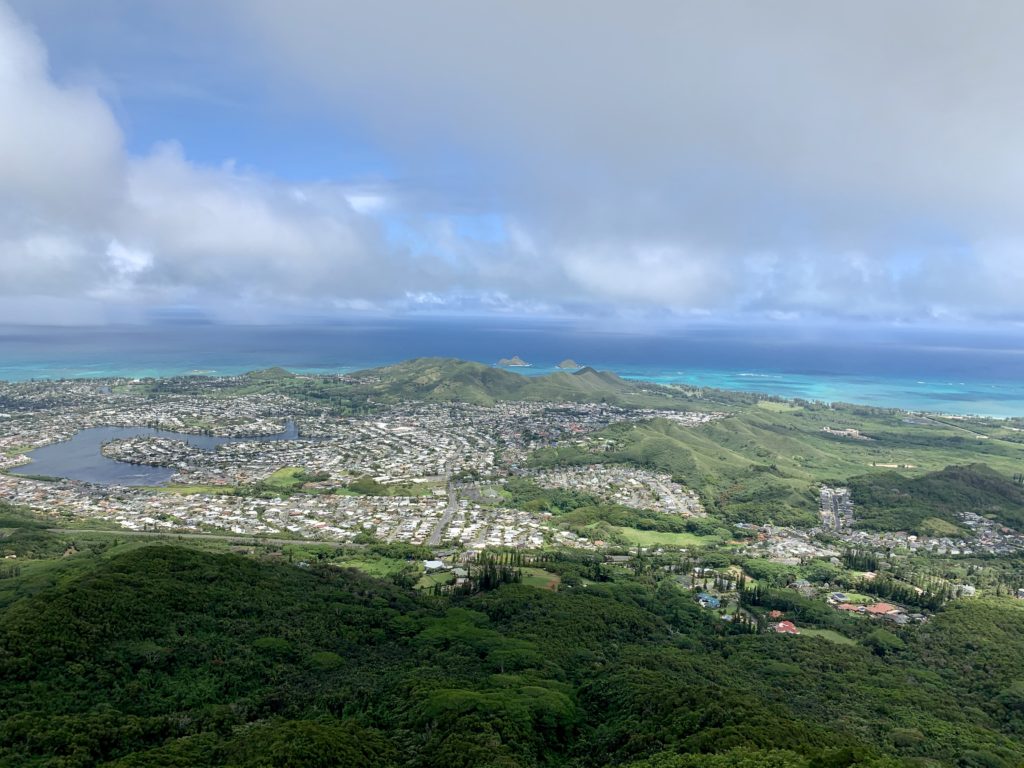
{"x": 787, "y": 628}
{"x": 880, "y": 609}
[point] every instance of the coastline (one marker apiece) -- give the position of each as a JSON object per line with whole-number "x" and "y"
{"x": 987, "y": 399}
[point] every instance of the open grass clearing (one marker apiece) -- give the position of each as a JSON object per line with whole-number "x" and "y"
{"x": 538, "y": 577}
{"x": 775, "y": 407}
{"x": 429, "y": 580}
{"x": 287, "y": 478}
{"x": 379, "y": 567}
{"x": 665, "y": 538}
{"x": 856, "y": 598}
{"x": 935, "y": 526}
{"x": 827, "y": 634}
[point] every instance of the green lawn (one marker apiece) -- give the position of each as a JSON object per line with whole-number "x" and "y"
{"x": 286, "y": 478}
{"x": 665, "y": 538}
{"x": 538, "y": 577}
{"x": 428, "y": 580}
{"x": 856, "y": 598}
{"x": 380, "y": 567}
{"x": 367, "y": 486}
{"x": 827, "y": 634}
{"x": 935, "y": 526}
{"x": 771, "y": 405}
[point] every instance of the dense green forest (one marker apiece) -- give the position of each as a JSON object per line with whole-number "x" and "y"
{"x": 163, "y": 655}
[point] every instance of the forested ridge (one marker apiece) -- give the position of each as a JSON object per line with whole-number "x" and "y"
{"x": 168, "y": 656}
{"x": 890, "y": 501}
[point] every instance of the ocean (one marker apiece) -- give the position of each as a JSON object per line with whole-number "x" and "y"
{"x": 929, "y": 370}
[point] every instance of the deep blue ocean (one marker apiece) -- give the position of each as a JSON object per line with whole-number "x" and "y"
{"x": 944, "y": 371}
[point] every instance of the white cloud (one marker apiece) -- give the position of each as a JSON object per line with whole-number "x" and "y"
{"x": 126, "y": 261}
{"x": 683, "y": 156}
{"x": 60, "y": 148}
{"x": 367, "y": 202}
{"x": 663, "y": 274}
{"x": 839, "y": 138}
{"x": 83, "y": 221}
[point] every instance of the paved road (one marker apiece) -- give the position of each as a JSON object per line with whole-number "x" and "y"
{"x": 665, "y": 493}
{"x": 446, "y": 518}
{"x": 239, "y": 538}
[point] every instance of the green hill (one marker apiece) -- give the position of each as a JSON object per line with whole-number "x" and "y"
{"x": 449, "y": 380}
{"x": 167, "y": 656}
{"x": 24, "y": 536}
{"x": 270, "y": 374}
{"x": 891, "y": 501}
{"x": 762, "y": 465}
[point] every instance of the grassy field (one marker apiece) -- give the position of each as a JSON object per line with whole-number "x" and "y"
{"x": 775, "y": 407}
{"x": 538, "y": 577}
{"x": 286, "y": 478}
{"x": 379, "y": 567}
{"x": 664, "y": 538}
{"x": 934, "y": 526}
{"x": 856, "y": 598}
{"x": 428, "y": 580}
{"x": 828, "y": 634}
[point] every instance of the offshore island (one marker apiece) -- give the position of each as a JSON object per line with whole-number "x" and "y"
{"x": 513, "y": 362}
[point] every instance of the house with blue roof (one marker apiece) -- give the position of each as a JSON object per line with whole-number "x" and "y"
{"x": 708, "y": 601}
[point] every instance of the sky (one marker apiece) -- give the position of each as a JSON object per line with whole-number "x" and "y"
{"x": 668, "y": 161}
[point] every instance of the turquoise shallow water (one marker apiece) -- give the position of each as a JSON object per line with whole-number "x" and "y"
{"x": 948, "y": 373}
{"x": 998, "y": 399}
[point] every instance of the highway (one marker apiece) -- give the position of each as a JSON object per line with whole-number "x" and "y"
{"x": 239, "y": 538}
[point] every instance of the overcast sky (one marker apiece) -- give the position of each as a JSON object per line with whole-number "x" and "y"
{"x": 262, "y": 160}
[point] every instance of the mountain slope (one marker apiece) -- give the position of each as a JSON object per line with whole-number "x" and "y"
{"x": 759, "y": 465}
{"x": 165, "y": 656}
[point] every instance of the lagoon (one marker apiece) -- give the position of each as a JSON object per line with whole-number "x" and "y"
{"x": 81, "y": 457}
